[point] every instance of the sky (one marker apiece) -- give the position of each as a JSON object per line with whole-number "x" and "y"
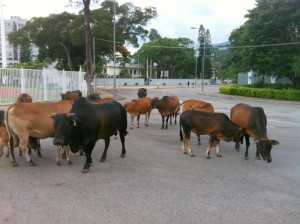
{"x": 175, "y": 17}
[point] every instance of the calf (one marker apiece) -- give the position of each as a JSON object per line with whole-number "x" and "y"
{"x": 71, "y": 95}
{"x": 254, "y": 121}
{"x": 86, "y": 123}
{"x": 137, "y": 107}
{"x": 142, "y": 92}
{"x": 196, "y": 105}
{"x": 217, "y": 125}
{"x": 167, "y": 107}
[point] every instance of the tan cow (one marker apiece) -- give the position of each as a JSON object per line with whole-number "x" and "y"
{"x": 137, "y": 107}
{"x": 24, "y": 120}
{"x": 167, "y": 107}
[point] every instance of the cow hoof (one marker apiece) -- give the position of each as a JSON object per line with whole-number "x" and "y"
{"x": 199, "y": 143}
{"x": 131, "y": 127}
{"x": 70, "y": 162}
{"x": 246, "y": 158}
{"x": 15, "y": 164}
{"x": 102, "y": 160}
{"x": 219, "y": 155}
{"x": 31, "y": 163}
{"x": 258, "y": 158}
{"x": 146, "y": 124}
{"x": 85, "y": 171}
{"x": 192, "y": 155}
{"x": 123, "y": 156}
{"x": 58, "y": 163}
{"x": 184, "y": 152}
{"x": 138, "y": 127}
{"x": 207, "y": 157}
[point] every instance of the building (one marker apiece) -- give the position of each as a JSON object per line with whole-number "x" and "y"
{"x": 251, "y": 78}
{"x": 13, "y": 53}
{"x": 132, "y": 69}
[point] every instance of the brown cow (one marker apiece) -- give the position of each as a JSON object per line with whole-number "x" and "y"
{"x": 24, "y": 98}
{"x": 217, "y": 125}
{"x": 167, "y": 107}
{"x": 142, "y": 92}
{"x": 254, "y": 121}
{"x": 71, "y": 95}
{"x": 196, "y": 105}
{"x": 22, "y": 123}
{"x": 137, "y": 107}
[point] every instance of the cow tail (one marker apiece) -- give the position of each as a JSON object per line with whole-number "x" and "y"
{"x": 124, "y": 121}
{"x": 180, "y": 130}
{"x": 9, "y": 131}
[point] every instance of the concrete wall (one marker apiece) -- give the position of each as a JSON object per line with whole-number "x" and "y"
{"x": 152, "y": 82}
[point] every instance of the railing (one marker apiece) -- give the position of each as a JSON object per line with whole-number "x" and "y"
{"x": 42, "y": 85}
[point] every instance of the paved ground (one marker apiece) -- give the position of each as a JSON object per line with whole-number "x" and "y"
{"x": 156, "y": 182}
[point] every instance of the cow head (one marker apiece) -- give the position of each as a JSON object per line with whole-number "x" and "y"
{"x": 264, "y": 147}
{"x": 64, "y": 124}
{"x": 154, "y": 102}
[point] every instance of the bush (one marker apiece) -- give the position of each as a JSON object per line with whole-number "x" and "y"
{"x": 280, "y": 94}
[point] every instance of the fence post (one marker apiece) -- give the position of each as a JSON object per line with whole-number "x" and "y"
{"x": 64, "y": 81}
{"x": 22, "y": 81}
{"x": 45, "y": 84}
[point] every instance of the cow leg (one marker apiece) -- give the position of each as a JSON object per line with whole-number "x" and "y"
{"x": 175, "y": 117}
{"x": 166, "y": 127}
{"x": 218, "y": 148}
{"x": 198, "y": 138}
{"x": 67, "y": 150}
{"x": 163, "y": 121}
{"x": 39, "y": 148}
{"x": 122, "y": 138}
{"x": 132, "y": 119}
{"x": 246, "y": 157}
{"x": 138, "y": 121}
{"x": 58, "y": 148}
{"x": 147, "y": 117}
{"x": 88, "y": 155}
{"x": 26, "y": 155}
{"x": 103, "y": 157}
{"x": 210, "y": 144}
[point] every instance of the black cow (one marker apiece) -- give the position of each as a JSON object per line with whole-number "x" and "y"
{"x": 86, "y": 123}
{"x": 217, "y": 125}
{"x": 142, "y": 92}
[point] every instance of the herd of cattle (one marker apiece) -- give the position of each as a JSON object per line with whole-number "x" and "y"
{"x": 76, "y": 123}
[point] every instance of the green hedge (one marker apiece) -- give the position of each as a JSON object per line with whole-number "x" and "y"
{"x": 280, "y": 94}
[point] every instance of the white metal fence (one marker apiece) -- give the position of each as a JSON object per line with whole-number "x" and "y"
{"x": 42, "y": 85}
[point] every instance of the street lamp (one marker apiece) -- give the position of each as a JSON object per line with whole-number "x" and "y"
{"x": 115, "y": 49}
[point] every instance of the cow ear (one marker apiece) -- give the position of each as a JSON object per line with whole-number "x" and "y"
{"x": 52, "y": 115}
{"x": 274, "y": 142}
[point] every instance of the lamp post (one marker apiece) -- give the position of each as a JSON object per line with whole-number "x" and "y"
{"x": 3, "y": 39}
{"x": 114, "y": 49}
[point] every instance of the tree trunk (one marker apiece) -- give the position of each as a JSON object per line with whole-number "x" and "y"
{"x": 88, "y": 63}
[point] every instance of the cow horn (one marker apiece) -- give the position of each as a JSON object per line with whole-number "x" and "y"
{"x": 70, "y": 115}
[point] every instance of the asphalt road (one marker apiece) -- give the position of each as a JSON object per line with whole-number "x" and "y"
{"x": 156, "y": 182}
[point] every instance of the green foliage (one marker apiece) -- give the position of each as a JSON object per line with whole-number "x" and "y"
{"x": 61, "y": 37}
{"x": 280, "y": 94}
{"x": 264, "y": 43}
{"x": 125, "y": 74}
{"x": 173, "y": 55}
{"x": 30, "y": 65}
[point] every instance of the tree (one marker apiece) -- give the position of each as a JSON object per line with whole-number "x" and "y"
{"x": 25, "y": 52}
{"x": 268, "y": 42}
{"x": 173, "y": 55}
{"x": 204, "y": 40}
